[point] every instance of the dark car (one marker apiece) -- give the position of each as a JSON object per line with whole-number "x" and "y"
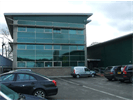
{"x": 110, "y": 72}
{"x": 28, "y": 82}
{"x": 8, "y": 94}
{"x": 125, "y": 72}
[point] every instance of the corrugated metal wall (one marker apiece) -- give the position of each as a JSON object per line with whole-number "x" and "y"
{"x": 115, "y": 52}
{"x": 5, "y": 62}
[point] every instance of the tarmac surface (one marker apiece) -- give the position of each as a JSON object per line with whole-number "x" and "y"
{"x": 91, "y": 88}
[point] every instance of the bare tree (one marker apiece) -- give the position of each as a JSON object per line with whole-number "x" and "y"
{"x": 94, "y": 43}
{"x": 6, "y": 35}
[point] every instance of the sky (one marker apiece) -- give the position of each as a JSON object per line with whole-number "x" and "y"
{"x": 110, "y": 19}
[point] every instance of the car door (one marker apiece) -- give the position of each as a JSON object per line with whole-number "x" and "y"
{"x": 8, "y": 80}
{"x": 87, "y": 72}
{"x": 25, "y": 83}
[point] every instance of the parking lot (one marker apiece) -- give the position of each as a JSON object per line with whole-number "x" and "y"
{"x": 97, "y": 88}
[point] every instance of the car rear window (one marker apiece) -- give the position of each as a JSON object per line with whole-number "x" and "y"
{"x": 108, "y": 68}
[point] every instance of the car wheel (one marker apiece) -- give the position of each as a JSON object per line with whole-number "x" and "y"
{"x": 39, "y": 93}
{"x": 131, "y": 79}
{"x": 121, "y": 80}
{"x": 93, "y": 75}
{"x": 77, "y": 76}
{"x": 109, "y": 79}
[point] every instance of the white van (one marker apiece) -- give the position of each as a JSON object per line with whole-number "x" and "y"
{"x": 81, "y": 71}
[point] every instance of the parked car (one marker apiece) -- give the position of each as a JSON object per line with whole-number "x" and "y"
{"x": 99, "y": 69}
{"x": 110, "y": 72}
{"x": 8, "y": 94}
{"x": 81, "y": 71}
{"x": 124, "y": 72}
{"x": 28, "y": 82}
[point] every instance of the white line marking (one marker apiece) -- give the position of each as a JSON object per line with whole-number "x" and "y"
{"x": 96, "y": 90}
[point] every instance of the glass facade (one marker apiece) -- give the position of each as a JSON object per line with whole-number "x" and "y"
{"x": 49, "y": 55}
{"x": 50, "y": 47}
{"x": 49, "y": 35}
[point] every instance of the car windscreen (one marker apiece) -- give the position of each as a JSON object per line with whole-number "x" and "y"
{"x": 8, "y": 92}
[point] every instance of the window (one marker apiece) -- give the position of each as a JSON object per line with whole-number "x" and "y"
{"x": 80, "y": 32}
{"x": 57, "y": 64}
{"x": 30, "y": 29}
{"x": 86, "y": 69}
{"x": 48, "y": 47}
{"x": 21, "y": 47}
{"x": 8, "y": 77}
{"x": 30, "y": 47}
{"x": 39, "y": 47}
{"x": 72, "y": 31}
{"x": 57, "y": 47}
{"x": 48, "y": 30}
{"x": 57, "y": 30}
{"x": 24, "y": 77}
{"x": 31, "y": 64}
{"x": 48, "y": 64}
{"x": 41, "y": 30}
{"x": 21, "y": 29}
{"x": 21, "y": 64}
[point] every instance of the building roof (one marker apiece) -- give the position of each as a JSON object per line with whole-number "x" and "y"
{"x": 115, "y": 39}
{"x": 59, "y": 14}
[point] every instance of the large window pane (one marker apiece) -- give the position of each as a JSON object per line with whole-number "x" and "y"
{"x": 77, "y": 58}
{"x": 73, "y": 48}
{"x": 40, "y": 23}
{"x": 64, "y": 58}
{"x": 65, "y": 64}
{"x": 21, "y": 29}
{"x": 39, "y": 64}
{"x": 77, "y": 52}
{"x": 60, "y": 41}
{"x": 44, "y": 35}
{"x": 80, "y": 32}
{"x": 56, "y": 30}
{"x": 72, "y": 31}
{"x": 44, "y": 58}
{"x": 21, "y": 64}
{"x": 30, "y": 29}
{"x": 77, "y": 42}
{"x": 31, "y": 64}
{"x": 73, "y": 64}
{"x": 44, "y": 40}
{"x": 64, "y": 47}
{"x": 26, "y": 40}
{"x": 48, "y": 30}
{"x": 26, "y": 22}
{"x": 21, "y": 47}
{"x": 57, "y": 47}
{"x": 44, "y": 52}
{"x": 25, "y": 52}
{"x": 40, "y": 30}
{"x": 48, "y": 47}
{"x": 57, "y": 64}
{"x": 39, "y": 47}
{"x": 61, "y": 36}
{"x": 60, "y": 24}
{"x": 64, "y": 31}
{"x": 76, "y": 37}
{"x": 25, "y": 58}
{"x": 26, "y": 35}
{"x": 80, "y": 48}
{"x": 31, "y": 47}
{"x": 48, "y": 64}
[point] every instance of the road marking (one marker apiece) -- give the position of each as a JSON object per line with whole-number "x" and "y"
{"x": 95, "y": 89}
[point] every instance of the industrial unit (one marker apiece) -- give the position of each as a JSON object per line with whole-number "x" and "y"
{"x": 48, "y": 43}
{"x": 117, "y": 51}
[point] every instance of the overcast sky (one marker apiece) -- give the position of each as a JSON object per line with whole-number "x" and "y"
{"x": 110, "y": 19}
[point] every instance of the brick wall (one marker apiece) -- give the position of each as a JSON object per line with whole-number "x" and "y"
{"x": 62, "y": 71}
